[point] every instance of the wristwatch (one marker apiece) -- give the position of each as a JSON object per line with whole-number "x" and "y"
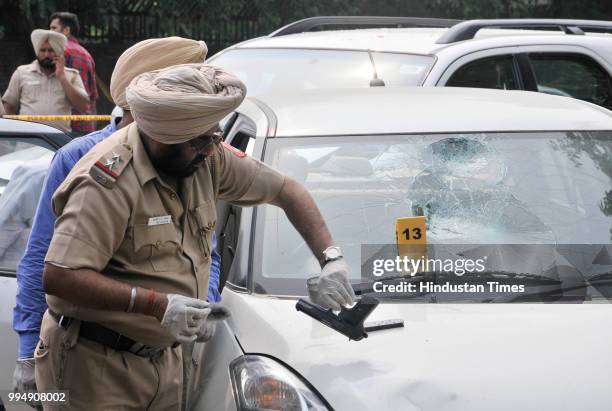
{"x": 330, "y": 254}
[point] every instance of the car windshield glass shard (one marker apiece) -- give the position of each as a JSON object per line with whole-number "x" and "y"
{"x": 485, "y": 188}
{"x": 314, "y": 69}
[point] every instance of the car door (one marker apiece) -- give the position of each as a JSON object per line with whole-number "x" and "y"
{"x": 570, "y": 71}
{"x": 24, "y": 160}
{"x": 568, "y": 74}
{"x": 492, "y": 68}
{"x": 496, "y": 72}
{"x": 240, "y": 135}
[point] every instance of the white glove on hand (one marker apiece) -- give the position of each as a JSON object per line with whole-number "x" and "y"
{"x": 24, "y": 380}
{"x": 332, "y": 288}
{"x": 184, "y": 317}
{"x": 207, "y": 331}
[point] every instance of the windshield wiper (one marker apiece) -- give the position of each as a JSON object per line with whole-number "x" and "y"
{"x": 473, "y": 274}
{"x": 508, "y": 274}
{"x": 601, "y": 277}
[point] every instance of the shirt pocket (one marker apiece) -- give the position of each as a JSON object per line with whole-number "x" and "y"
{"x": 30, "y": 90}
{"x": 158, "y": 245}
{"x": 57, "y": 91}
{"x": 205, "y": 218}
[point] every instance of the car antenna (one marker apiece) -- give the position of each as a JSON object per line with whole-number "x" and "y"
{"x": 375, "y": 82}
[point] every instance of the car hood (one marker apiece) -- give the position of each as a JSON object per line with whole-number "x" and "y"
{"x": 447, "y": 357}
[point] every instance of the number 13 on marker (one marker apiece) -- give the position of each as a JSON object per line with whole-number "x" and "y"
{"x": 411, "y": 230}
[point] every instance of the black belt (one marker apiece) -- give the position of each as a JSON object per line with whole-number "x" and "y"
{"x": 105, "y": 336}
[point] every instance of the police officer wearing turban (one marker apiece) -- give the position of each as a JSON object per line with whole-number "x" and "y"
{"x": 128, "y": 264}
{"x": 46, "y": 86}
{"x": 151, "y": 54}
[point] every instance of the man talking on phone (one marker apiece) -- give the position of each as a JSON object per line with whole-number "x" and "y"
{"x": 46, "y": 86}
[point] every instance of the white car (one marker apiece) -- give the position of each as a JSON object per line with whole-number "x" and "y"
{"x": 26, "y": 150}
{"x": 574, "y": 59}
{"x": 365, "y": 154}
{"x": 488, "y": 167}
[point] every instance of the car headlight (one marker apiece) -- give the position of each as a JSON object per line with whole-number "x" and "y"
{"x": 260, "y": 383}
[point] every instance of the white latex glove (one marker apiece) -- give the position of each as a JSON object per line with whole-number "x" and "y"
{"x": 207, "y": 331}
{"x": 332, "y": 289}
{"x": 184, "y": 317}
{"x": 24, "y": 378}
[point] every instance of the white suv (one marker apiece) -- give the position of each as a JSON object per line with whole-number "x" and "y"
{"x": 523, "y": 54}
{"x": 494, "y": 171}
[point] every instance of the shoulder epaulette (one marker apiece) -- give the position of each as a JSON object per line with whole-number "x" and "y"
{"x": 234, "y": 150}
{"x": 109, "y": 167}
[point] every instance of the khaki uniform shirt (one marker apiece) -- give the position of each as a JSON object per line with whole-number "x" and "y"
{"x": 33, "y": 92}
{"x": 135, "y": 228}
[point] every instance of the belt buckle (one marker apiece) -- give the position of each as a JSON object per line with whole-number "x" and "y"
{"x": 152, "y": 353}
{"x": 136, "y": 348}
{"x": 64, "y": 322}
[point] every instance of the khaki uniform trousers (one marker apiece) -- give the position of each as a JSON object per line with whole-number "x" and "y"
{"x": 100, "y": 378}
{"x": 188, "y": 370}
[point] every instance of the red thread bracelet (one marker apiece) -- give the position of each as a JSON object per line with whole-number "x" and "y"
{"x": 150, "y": 302}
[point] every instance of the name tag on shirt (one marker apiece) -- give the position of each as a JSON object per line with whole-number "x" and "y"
{"x": 165, "y": 219}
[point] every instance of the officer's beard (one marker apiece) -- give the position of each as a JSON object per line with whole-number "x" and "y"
{"x": 168, "y": 164}
{"x": 46, "y": 63}
{"x": 194, "y": 165}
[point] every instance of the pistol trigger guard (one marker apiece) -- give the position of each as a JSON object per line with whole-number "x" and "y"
{"x": 348, "y": 322}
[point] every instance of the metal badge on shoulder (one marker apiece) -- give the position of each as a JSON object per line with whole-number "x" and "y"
{"x": 109, "y": 167}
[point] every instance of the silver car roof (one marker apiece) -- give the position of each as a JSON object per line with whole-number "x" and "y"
{"x": 383, "y": 110}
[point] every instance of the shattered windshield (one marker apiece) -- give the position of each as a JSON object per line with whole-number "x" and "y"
{"x": 486, "y": 188}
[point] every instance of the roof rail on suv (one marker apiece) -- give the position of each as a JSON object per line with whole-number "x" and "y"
{"x": 466, "y": 30}
{"x": 311, "y": 23}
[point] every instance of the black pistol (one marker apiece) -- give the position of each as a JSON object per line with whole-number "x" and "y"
{"x": 348, "y": 322}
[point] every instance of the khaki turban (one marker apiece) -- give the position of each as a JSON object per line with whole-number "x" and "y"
{"x": 56, "y": 40}
{"x": 149, "y": 55}
{"x": 179, "y": 103}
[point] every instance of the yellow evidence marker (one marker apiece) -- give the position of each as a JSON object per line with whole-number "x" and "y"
{"x": 411, "y": 230}
{"x": 411, "y": 237}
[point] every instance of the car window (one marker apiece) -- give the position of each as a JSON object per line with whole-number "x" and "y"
{"x": 23, "y": 167}
{"x": 267, "y": 69}
{"x": 499, "y": 72}
{"x": 572, "y": 75}
{"x": 473, "y": 189}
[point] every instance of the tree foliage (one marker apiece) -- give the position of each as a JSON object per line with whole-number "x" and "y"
{"x": 175, "y": 16}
